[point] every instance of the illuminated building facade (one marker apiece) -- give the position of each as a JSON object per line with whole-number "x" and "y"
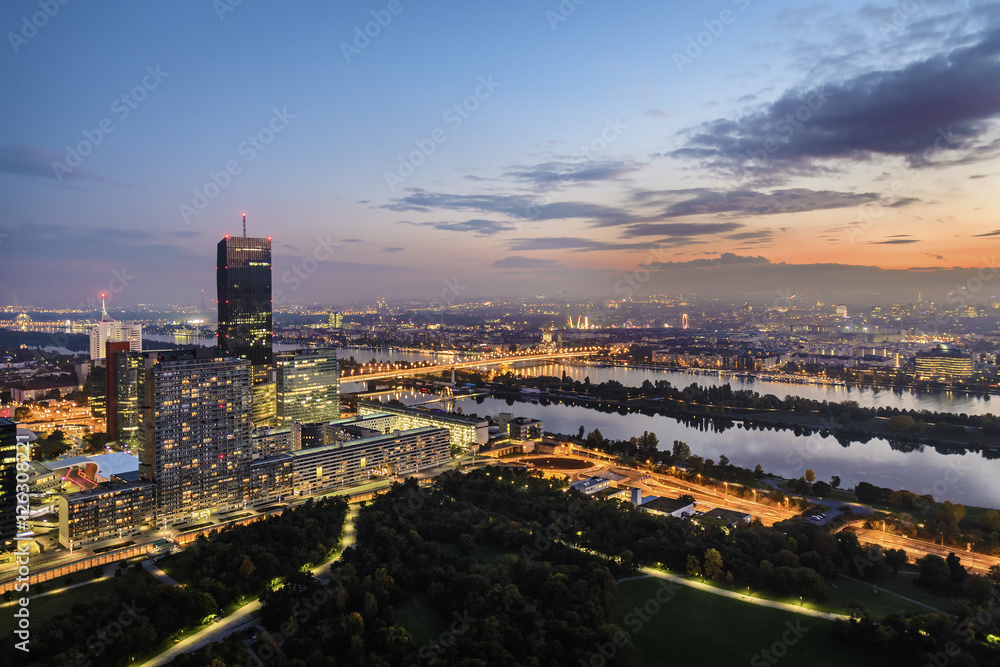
{"x": 324, "y": 468}
{"x": 8, "y": 483}
{"x": 194, "y": 431}
{"x": 123, "y": 370}
{"x": 465, "y": 431}
{"x": 945, "y": 364}
{"x": 109, "y": 330}
{"x": 243, "y": 281}
{"x": 308, "y": 386}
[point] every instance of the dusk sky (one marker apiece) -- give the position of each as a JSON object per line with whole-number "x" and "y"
{"x": 511, "y": 148}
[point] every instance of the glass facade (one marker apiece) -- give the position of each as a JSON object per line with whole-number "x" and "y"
{"x": 8, "y": 483}
{"x": 308, "y": 386}
{"x": 243, "y": 279}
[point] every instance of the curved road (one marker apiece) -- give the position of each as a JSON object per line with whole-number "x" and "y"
{"x": 244, "y": 616}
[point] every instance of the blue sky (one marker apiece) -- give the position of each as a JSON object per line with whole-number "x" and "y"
{"x": 602, "y": 141}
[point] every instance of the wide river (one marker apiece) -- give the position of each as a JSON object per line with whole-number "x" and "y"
{"x": 966, "y": 478}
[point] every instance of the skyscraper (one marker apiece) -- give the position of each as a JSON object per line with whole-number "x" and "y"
{"x": 124, "y": 379}
{"x": 8, "y": 483}
{"x": 194, "y": 431}
{"x": 243, "y": 278}
{"x": 308, "y": 386}
{"x": 109, "y": 330}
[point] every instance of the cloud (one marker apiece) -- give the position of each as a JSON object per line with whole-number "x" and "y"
{"x": 704, "y": 201}
{"x": 550, "y": 173}
{"x": 763, "y": 234}
{"x": 579, "y": 244}
{"x": 726, "y": 259}
{"x": 659, "y": 114}
{"x": 995, "y": 232}
{"x": 880, "y": 113}
{"x": 392, "y": 249}
{"x": 476, "y": 226}
{"x": 352, "y": 241}
{"x": 519, "y": 262}
{"x": 680, "y": 229}
{"x": 895, "y": 242}
{"x": 36, "y": 162}
{"x": 515, "y": 206}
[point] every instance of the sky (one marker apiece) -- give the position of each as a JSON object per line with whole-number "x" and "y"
{"x": 452, "y": 151}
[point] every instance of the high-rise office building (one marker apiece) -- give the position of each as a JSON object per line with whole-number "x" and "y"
{"x": 123, "y": 386}
{"x": 109, "y": 330}
{"x": 8, "y": 483}
{"x": 243, "y": 279}
{"x": 194, "y": 431}
{"x": 308, "y": 386}
{"x": 336, "y": 320}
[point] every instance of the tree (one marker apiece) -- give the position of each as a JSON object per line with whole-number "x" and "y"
{"x": 994, "y": 574}
{"x": 934, "y": 571}
{"x": 579, "y": 435}
{"x": 835, "y": 481}
{"x": 956, "y": 571}
{"x": 595, "y": 437}
{"x": 713, "y": 564}
{"x": 990, "y": 520}
{"x": 723, "y": 461}
{"x": 693, "y": 566}
{"x": 822, "y": 489}
{"x": 758, "y": 472}
{"x": 810, "y": 475}
{"x": 22, "y": 413}
{"x": 247, "y": 568}
{"x": 951, "y": 514}
{"x": 896, "y": 558}
{"x": 901, "y": 423}
{"x": 681, "y": 451}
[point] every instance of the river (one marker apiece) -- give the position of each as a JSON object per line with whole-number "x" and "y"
{"x": 966, "y": 478}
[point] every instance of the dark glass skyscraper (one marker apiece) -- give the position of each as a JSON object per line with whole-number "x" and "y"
{"x": 243, "y": 277}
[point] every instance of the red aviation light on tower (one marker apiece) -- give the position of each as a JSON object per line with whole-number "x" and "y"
{"x": 103, "y": 295}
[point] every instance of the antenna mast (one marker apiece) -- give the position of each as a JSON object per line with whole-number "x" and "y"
{"x": 244, "y": 225}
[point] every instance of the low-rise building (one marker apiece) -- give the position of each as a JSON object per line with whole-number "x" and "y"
{"x": 465, "y": 432}
{"x": 731, "y": 518}
{"x": 680, "y": 508}
{"x": 340, "y": 464}
{"x": 591, "y": 485}
{"x": 109, "y": 510}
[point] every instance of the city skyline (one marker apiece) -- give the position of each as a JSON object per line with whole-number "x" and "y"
{"x": 738, "y": 147}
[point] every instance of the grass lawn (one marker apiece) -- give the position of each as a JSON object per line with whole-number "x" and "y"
{"x": 179, "y": 566}
{"x": 421, "y": 620}
{"x": 46, "y": 607}
{"x": 698, "y": 628}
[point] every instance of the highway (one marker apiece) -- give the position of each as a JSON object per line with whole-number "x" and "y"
{"x": 973, "y": 562}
